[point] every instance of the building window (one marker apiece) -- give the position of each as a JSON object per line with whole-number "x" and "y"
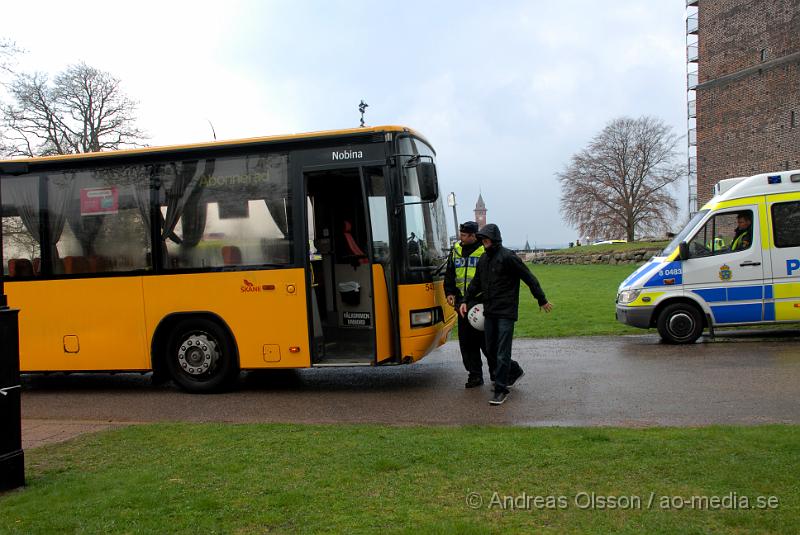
{"x": 792, "y": 119}
{"x": 763, "y": 54}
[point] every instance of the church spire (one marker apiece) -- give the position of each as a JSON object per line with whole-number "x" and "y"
{"x": 480, "y": 211}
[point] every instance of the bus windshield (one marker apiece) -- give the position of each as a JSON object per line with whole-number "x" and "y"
{"x": 669, "y": 249}
{"x": 426, "y": 230}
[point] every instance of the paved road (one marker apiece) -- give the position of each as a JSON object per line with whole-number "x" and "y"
{"x": 627, "y": 381}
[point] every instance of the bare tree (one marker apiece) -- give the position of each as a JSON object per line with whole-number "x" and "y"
{"x": 618, "y": 185}
{"x": 82, "y": 110}
{"x": 8, "y": 49}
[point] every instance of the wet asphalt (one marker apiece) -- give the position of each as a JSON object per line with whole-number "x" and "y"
{"x": 742, "y": 378}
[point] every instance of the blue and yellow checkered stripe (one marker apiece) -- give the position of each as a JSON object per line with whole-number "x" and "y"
{"x": 776, "y": 302}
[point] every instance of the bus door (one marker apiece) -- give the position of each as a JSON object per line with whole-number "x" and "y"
{"x": 348, "y": 266}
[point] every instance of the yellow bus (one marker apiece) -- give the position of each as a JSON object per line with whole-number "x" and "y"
{"x": 198, "y": 261}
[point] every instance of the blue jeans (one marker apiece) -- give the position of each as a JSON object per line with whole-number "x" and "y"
{"x": 499, "y": 332}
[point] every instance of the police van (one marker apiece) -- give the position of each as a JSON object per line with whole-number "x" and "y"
{"x": 737, "y": 262}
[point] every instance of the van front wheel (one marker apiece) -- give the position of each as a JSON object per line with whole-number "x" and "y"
{"x": 680, "y": 323}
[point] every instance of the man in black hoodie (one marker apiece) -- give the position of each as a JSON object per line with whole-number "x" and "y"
{"x": 496, "y": 285}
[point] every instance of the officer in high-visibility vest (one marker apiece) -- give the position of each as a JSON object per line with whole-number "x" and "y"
{"x": 743, "y": 236}
{"x": 461, "y": 266}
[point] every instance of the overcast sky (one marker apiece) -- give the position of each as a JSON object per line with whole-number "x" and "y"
{"x": 506, "y": 91}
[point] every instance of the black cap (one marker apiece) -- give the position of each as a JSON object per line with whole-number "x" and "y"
{"x": 470, "y": 227}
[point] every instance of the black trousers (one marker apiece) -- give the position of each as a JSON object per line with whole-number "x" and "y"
{"x": 472, "y": 342}
{"x": 499, "y": 334}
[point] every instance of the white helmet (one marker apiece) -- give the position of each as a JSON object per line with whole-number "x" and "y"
{"x": 475, "y": 316}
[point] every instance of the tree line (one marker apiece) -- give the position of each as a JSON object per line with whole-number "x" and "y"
{"x": 80, "y": 109}
{"x": 618, "y": 185}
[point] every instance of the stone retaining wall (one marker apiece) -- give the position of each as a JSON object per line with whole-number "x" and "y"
{"x": 628, "y": 257}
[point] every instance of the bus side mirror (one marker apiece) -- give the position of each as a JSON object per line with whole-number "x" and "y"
{"x": 428, "y": 184}
{"x": 683, "y": 251}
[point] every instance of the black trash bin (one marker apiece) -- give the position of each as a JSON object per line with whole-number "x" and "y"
{"x": 350, "y": 292}
{"x": 12, "y": 459}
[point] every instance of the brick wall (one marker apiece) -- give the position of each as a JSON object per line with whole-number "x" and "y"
{"x": 744, "y": 125}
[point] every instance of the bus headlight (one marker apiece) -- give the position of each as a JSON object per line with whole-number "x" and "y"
{"x": 628, "y": 296}
{"x": 421, "y": 318}
{"x": 426, "y": 317}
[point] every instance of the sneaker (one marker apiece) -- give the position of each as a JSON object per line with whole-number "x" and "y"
{"x": 516, "y": 378}
{"x": 472, "y": 382}
{"x": 499, "y": 398}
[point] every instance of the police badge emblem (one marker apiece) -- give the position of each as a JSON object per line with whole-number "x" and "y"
{"x": 725, "y": 272}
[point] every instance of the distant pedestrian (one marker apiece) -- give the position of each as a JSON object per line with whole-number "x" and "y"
{"x": 496, "y": 285}
{"x": 461, "y": 266}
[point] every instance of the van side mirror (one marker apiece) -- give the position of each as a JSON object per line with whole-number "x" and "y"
{"x": 428, "y": 184}
{"x": 683, "y": 251}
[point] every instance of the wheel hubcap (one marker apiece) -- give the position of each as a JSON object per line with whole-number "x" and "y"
{"x": 681, "y": 325}
{"x": 197, "y": 354}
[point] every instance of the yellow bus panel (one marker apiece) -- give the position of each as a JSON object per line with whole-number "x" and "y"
{"x": 266, "y": 311}
{"x": 80, "y": 324}
{"x": 416, "y": 342}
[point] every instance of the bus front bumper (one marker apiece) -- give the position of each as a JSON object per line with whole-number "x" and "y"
{"x": 635, "y": 316}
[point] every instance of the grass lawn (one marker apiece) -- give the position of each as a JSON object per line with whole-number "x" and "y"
{"x": 183, "y": 478}
{"x": 612, "y": 248}
{"x": 583, "y": 300}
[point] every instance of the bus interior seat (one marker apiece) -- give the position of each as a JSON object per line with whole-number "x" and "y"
{"x": 20, "y": 267}
{"x": 96, "y": 263}
{"x": 231, "y": 255}
{"x": 58, "y": 266}
{"x": 352, "y": 246}
{"x": 75, "y": 265}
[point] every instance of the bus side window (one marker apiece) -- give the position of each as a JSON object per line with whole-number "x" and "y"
{"x": 226, "y": 212}
{"x": 20, "y": 220}
{"x": 99, "y": 220}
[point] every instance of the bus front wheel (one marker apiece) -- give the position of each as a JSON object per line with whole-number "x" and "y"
{"x": 680, "y": 323}
{"x": 200, "y": 356}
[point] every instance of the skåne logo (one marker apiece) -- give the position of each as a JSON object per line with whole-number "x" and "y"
{"x": 248, "y": 286}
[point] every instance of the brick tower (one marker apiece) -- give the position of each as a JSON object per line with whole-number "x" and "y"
{"x": 744, "y": 71}
{"x": 480, "y": 212}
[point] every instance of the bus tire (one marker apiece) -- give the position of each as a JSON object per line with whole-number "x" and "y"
{"x": 680, "y": 323}
{"x": 201, "y": 356}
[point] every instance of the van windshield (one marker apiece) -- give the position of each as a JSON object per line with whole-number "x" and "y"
{"x": 669, "y": 249}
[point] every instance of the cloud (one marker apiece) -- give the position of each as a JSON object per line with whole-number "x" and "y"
{"x": 505, "y": 91}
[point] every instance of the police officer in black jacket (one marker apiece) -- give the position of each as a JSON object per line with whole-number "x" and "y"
{"x": 461, "y": 265}
{"x": 496, "y": 285}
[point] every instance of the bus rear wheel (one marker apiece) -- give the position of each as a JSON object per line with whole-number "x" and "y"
{"x": 200, "y": 356}
{"x": 680, "y": 323}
